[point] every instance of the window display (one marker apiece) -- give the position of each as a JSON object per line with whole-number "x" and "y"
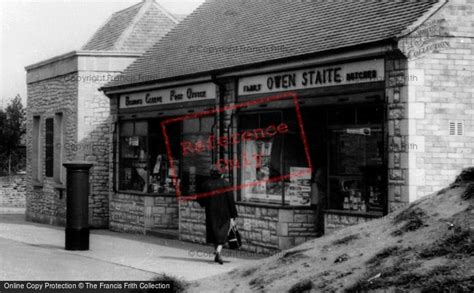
{"x": 356, "y": 176}
{"x": 259, "y": 167}
{"x": 143, "y": 158}
{"x": 299, "y": 192}
{"x": 271, "y": 156}
{"x": 133, "y": 156}
{"x": 347, "y": 151}
{"x": 195, "y": 165}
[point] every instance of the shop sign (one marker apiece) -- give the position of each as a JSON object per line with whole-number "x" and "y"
{"x": 334, "y": 75}
{"x": 183, "y": 94}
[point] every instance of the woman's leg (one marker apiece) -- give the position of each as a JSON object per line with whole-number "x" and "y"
{"x": 218, "y": 257}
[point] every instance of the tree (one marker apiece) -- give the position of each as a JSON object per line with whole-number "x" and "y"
{"x": 12, "y": 131}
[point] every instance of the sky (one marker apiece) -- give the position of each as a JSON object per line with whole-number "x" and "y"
{"x": 34, "y": 30}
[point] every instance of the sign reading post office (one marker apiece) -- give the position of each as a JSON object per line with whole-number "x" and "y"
{"x": 198, "y": 92}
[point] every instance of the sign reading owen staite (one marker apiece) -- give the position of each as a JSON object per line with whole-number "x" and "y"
{"x": 197, "y": 92}
{"x": 333, "y": 75}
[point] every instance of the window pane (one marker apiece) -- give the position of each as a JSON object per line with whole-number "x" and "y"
{"x": 191, "y": 125}
{"x": 256, "y": 165}
{"x": 206, "y": 124}
{"x": 134, "y": 163}
{"x": 268, "y": 119}
{"x": 126, "y": 128}
{"x": 196, "y": 164}
{"x": 36, "y": 153}
{"x": 356, "y": 169}
{"x": 369, "y": 115}
{"x": 141, "y": 128}
{"x": 59, "y": 170}
{"x": 49, "y": 159}
{"x": 340, "y": 116}
{"x": 249, "y": 121}
{"x": 161, "y": 174}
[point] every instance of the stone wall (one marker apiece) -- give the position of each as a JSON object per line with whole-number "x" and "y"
{"x": 13, "y": 191}
{"x": 94, "y": 124}
{"x": 264, "y": 230}
{"x": 192, "y": 222}
{"x": 161, "y": 212}
{"x": 127, "y": 213}
{"x": 139, "y": 213}
{"x": 303, "y": 227}
{"x": 333, "y": 222}
{"x": 396, "y": 91}
{"x": 70, "y": 84}
{"x": 436, "y": 90}
{"x": 258, "y": 228}
{"x": 45, "y": 199}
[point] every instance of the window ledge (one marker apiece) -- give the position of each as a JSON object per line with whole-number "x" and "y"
{"x": 37, "y": 184}
{"x": 59, "y": 186}
{"x": 134, "y": 192}
{"x": 275, "y": 206}
{"x": 355, "y": 213}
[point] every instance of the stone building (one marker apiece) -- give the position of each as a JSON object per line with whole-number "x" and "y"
{"x": 362, "y": 106}
{"x": 69, "y": 119}
{"x": 322, "y": 114}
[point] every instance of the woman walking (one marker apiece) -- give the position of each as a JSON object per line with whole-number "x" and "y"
{"x": 220, "y": 212}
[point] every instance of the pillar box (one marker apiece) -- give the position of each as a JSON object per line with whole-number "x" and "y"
{"x": 77, "y": 212}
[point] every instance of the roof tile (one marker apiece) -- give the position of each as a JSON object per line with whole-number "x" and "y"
{"x": 222, "y": 34}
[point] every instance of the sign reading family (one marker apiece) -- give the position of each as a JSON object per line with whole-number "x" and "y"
{"x": 349, "y": 73}
{"x": 204, "y": 91}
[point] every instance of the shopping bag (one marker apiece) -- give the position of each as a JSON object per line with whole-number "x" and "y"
{"x": 234, "y": 239}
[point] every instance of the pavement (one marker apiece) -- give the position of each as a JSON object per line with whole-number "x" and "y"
{"x": 32, "y": 251}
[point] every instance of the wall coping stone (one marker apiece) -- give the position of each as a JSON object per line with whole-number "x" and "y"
{"x": 354, "y": 213}
{"x": 274, "y": 206}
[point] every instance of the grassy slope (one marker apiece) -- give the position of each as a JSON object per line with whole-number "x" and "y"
{"x": 427, "y": 246}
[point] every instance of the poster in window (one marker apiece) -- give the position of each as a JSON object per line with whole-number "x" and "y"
{"x": 299, "y": 191}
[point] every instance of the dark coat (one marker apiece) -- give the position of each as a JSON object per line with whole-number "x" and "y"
{"x": 220, "y": 208}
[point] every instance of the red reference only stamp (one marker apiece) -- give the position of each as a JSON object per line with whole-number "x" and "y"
{"x": 211, "y": 143}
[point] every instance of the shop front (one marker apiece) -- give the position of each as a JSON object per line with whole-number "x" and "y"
{"x": 300, "y": 167}
{"x": 342, "y": 111}
{"x": 144, "y": 198}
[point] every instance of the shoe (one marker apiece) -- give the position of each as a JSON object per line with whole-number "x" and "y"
{"x": 219, "y": 259}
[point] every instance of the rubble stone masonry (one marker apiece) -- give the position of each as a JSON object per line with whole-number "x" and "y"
{"x": 45, "y": 198}
{"x": 12, "y": 191}
{"x": 69, "y": 84}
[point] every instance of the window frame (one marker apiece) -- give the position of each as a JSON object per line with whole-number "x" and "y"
{"x": 120, "y": 159}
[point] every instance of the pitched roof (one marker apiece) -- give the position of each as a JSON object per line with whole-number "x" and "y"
{"x": 224, "y": 34}
{"x": 135, "y": 28}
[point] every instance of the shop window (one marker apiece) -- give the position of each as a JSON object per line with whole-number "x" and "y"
{"x": 49, "y": 156}
{"x": 36, "y": 149}
{"x": 346, "y": 145}
{"x": 356, "y": 169}
{"x": 134, "y": 156}
{"x": 161, "y": 177}
{"x": 144, "y": 163}
{"x": 196, "y": 164}
{"x": 271, "y": 156}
